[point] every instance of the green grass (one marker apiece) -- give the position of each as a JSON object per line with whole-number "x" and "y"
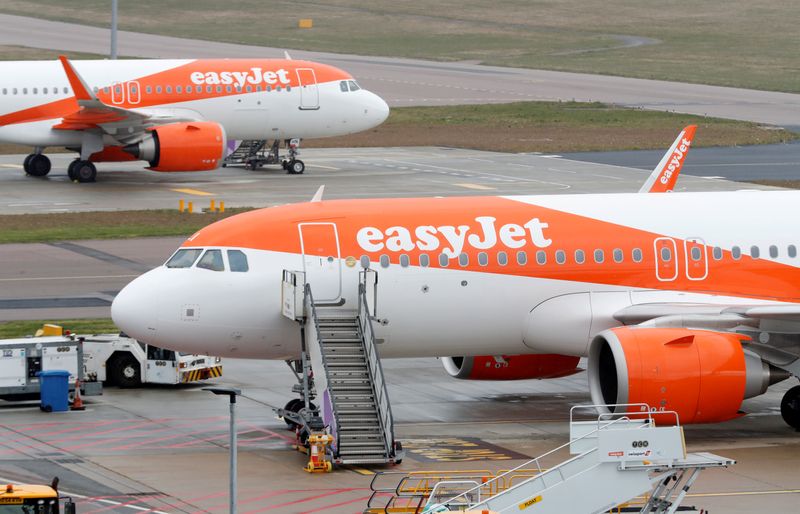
{"x": 13, "y": 329}
{"x": 35, "y": 228}
{"x": 745, "y": 43}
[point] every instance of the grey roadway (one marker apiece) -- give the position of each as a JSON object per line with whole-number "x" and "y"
{"x": 417, "y": 82}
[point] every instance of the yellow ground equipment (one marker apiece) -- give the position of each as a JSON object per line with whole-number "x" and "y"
{"x": 39, "y": 499}
{"x": 318, "y": 460}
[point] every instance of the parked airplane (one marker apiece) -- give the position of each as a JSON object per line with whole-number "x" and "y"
{"x": 176, "y": 114}
{"x": 687, "y": 301}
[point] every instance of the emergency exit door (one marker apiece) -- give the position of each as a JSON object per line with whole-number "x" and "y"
{"x": 319, "y": 245}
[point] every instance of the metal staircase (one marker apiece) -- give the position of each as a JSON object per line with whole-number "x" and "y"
{"x": 348, "y": 376}
{"x": 615, "y": 461}
{"x": 249, "y": 153}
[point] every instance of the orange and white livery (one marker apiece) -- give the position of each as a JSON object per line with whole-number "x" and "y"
{"x": 176, "y": 114}
{"x": 685, "y": 301}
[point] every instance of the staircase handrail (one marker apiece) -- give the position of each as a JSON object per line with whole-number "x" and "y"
{"x": 538, "y": 465}
{"x": 310, "y": 308}
{"x": 375, "y": 369}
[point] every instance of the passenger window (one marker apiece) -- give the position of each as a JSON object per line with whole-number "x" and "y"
{"x": 736, "y": 253}
{"x": 238, "y": 261}
{"x": 483, "y": 259}
{"x": 443, "y": 260}
{"x": 354, "y": 86}
{"x": 580, "y": 257}
{"x": 541, "y": 257}
{"x": 44, "y": 91}
{"x": 228, "y": 89}
{"x": 522, "y": 258}
{"x": 364, "y": 261}
{"x": 36, "y": 91}
{"x": 5, "y": 91}
{"x": 561, "y": 257}
{"x": 343, "y": 86}
{"x": 695, "y": 253}
{"x": 599, "y": 257}
{"x": 617, "y": 255}
{"x": 209, "y": 89}
{"x": 212, "y": 260}
{"x": 249, "y": 89}
{"x": 384, "y": 261}
{"x": 178, "y": 89}
{"x": 754, "y": 252}
{"x": 463, "y": 259}
{"x": 636, "y": 255}
{"x": 269, "y": 88}
{"x": 666, "y": 254}
{"x": 184, "y": 258}
{"x": 404, "y": 262}
{"x": 258, "y": 88}
{"x": 24, "y": 90}
{"x": 277, "y": 88}
{"x": 219, "y": 89}
{"x": 502, "y": 258}
{"x": 773, "y": 251}
{"x": 424, "y": 260}
{"x": 288, "y": 88}
{"x": 169, "y": 89}
{"x": 158, "y": 89}
{"x": 792, "y": 251}
{"x": 14, "y": 90}
{"x": 717, "y": 253}
{"x": 118, "y": 89}
{"x": 188, "y": 89}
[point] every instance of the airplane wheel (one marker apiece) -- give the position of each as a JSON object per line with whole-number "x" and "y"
{"x": 293, "y": 406}
{"x": 84, "y": 171}
{"x": 38, "y": 165}
{"x": 26, "y": 163}
{"x": 296, "y": 167}
{"x": 71, "y": 170}
{"x": 790, "y": 407}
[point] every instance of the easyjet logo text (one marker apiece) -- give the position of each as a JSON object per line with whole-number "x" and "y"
{"x": 254, "y": 76}
{"x": 675, "y": 159}
{"x": 451, "y": 239}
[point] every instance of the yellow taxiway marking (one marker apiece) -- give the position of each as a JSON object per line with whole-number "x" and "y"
{"x": 195, "y": 192}
{"x": 362, "y": 471}
{"x": 477, "y": 186}
{"x": 17, "y": 166}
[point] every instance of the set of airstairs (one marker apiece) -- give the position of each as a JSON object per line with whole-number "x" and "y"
{"x": 616, "y": 462}
{"x": 249, "y": 152}
{"x": 348, "y": 380}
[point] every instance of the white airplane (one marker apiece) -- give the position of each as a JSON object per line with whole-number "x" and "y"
{"x": 176, "y": 114}
{"x": 688, "y": 302}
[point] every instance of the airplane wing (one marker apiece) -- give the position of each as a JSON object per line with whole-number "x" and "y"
{"x": 665, "y": 175}
{"x": 125, "y": 125}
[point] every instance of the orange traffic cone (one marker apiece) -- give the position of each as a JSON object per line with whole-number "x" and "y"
{"x": 77, "y": 403}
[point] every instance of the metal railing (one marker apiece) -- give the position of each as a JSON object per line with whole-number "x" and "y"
{"x": 375, "y": 370}
{"x": 460, "y": 498}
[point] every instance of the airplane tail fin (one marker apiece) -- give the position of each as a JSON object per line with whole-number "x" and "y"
{"x": 665, "y": 175}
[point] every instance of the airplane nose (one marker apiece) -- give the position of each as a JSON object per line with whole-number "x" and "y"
{"x": 135, "y": 308}
{"x": 378, "y": 109}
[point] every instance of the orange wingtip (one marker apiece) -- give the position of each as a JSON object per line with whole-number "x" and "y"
{"x": 78, "y": 86}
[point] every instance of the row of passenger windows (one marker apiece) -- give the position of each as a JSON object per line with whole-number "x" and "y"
{"x": 211, "y": 260}
{"x": 36, "y": 90}
{"x": 579, "y": 256}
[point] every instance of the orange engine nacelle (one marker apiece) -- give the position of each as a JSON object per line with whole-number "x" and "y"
{"x": 702, "y": 375}
{"x": 191, "y": 146}
{"x": 510, "y": 367}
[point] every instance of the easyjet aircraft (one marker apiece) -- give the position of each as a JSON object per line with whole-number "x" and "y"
{"x": 176, "y": 114}
{"x": 685, "y": 301}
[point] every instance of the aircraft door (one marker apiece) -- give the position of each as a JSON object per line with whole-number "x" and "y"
{"x": 696, "y": 257}
{"x": 134, "y": 95}
{"x": 117, "y": 93}
{"x": 666, "y": 259}
{"x": 319, "y": 245}
{"x": 309, "y": 92}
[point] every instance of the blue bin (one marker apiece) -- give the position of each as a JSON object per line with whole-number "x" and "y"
{"x": 54, "y": 390}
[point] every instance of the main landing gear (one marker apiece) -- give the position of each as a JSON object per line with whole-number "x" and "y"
{"x": 790, "y": 407}
{"x": 82, "y": 171}
{"x": 36, "y": 165}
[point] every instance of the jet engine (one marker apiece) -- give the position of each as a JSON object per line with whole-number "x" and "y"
{"x": 702, "y": 375}
{"x": 510, "y": 367}
{"x": 191, "y": 146}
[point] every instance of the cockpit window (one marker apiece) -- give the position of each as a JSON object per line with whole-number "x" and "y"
{"x": 238, "y": 261}
{"x": 212, "y": 260}
{"x": 184, "y": 258}
{"x": 343, "y": 86}
{"x": 354, "y": 86}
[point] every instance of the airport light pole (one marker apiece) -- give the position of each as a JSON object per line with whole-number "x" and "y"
{"x": 113, "y": 29}
{"x": 232, "y": 394}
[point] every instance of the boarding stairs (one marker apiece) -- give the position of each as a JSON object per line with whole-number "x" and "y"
{"x": 253, "y": 153}
{"x": 348, "y": 376}
{"x": 618, "y": 462}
